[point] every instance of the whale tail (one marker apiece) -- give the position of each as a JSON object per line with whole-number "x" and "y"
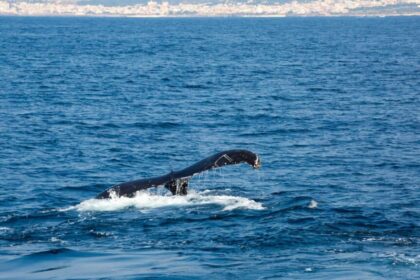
{"x": 177, "y": 181}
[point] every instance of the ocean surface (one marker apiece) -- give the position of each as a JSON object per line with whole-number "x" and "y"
{"x": 331, "y": 105}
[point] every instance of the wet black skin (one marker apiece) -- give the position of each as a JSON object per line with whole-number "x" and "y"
{"x": 177, "y": 181}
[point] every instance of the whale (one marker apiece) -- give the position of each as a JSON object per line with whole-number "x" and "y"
{"x": 177, "y": 181}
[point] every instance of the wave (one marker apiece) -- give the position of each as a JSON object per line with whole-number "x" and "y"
{"x": 155, "y": 9}
{"x": 145, "y": 200}
{"x": 401, "y": 258}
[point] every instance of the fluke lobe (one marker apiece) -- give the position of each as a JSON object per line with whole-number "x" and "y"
{"x": 177, "y": 181}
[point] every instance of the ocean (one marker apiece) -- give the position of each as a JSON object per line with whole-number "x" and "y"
{"x": 331, "y": 105}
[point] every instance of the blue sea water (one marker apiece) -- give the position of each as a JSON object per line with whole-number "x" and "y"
{"x": 330, "y": 104}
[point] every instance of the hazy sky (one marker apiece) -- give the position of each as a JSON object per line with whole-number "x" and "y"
{"x": 211, "y": 7}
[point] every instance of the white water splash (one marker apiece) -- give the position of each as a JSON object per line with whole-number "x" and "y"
{"x": 145, "y": 201}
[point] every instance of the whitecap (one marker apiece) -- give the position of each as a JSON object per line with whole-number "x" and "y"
{"x": 5, "y": 229}
{"x": 313, "y": 204}
{"x": 400, "y": 258}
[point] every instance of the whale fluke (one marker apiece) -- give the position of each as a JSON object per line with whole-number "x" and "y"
{"x": 177, "y": 181}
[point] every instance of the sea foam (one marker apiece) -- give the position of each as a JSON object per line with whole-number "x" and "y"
{"x": 146, "y": 200}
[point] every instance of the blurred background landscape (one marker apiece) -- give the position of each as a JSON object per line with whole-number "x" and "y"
{"x": 171, "y": 8}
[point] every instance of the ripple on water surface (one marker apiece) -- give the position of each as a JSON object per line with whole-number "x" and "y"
{"x": 330, "y": 104}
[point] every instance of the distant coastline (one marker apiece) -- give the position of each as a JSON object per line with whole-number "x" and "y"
{"x": 317, "y": 8}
